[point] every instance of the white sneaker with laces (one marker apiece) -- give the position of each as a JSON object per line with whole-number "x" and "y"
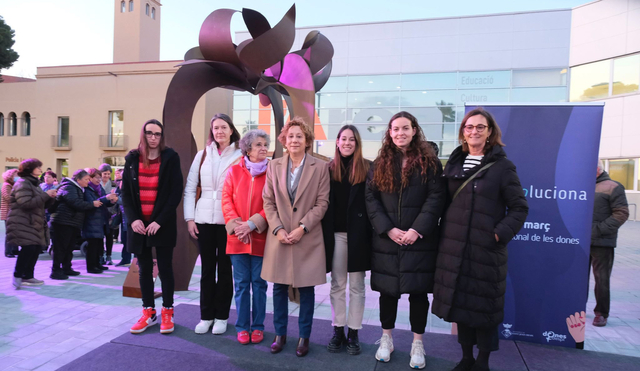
{"x": 219, "y": 327}
{"x": 17, "y": 282}
{"x": 203, "y": 326}
{"x": 385, "y": 349}
{"x": 417, "y": 355}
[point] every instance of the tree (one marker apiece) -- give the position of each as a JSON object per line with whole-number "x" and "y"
{"x": 7, "y": 55}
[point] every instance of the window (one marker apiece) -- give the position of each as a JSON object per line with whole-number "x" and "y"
{"x": 483, "y": 80}
{"x": 374, "y": 83}
{"x": 626, "y": 74}
{"x": 116, "y": 129}
{"x": 153, "y": 13}
{"x": 63, "y": 132}
{"x": 535, "y": 78}
{"x": 62, "y": 168}
{"x": 622, "y": 170}
{"x": 1, "y": 125}
{"x": 26, "y": 124}
{"x": 13, "y": 125}
{"x": 423, "y": 81}
{"x": 590, "y": 81}
{"x": 131, "y": 5}
{"x": 146, "y": 9}
{"x": 122, "y": 7}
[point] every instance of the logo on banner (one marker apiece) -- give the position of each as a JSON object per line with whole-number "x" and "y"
{"x": 507, "y": 330}
{"x": 550, "y": 335}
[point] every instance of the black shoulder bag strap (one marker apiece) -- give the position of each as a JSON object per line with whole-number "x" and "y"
{"x": 485, "y": 167}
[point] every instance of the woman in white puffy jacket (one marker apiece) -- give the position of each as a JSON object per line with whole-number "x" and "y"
{"x": 205, "y": 221}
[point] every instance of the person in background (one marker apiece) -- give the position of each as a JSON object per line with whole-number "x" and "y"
{"x": 67, "y": 221}
{"x": 109, "y": 187}
{"x": 41, "y": 177}
{"x": 296, "y": 197}
{"x": 205, "y": 222}
{"x": 125, "y": 255}
{"x": 347, "y": 233}
{"x": 9, "y": 177}
{"x": 246, "y": 225}
{"x": 26, "y": 224}
{"x": 610, "y": 211}
{"x": 405, "y": 198}
{"x": 49, "y": 179}
{"x": 95, "y": 220}
{"x": 152, "y": 190}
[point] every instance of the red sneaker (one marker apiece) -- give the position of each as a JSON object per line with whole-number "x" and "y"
{"x": 166, "y": 326}
{"x": 147, "y": 320}
{"x": 243, "y": 337}
{"x": 256, "y": 336}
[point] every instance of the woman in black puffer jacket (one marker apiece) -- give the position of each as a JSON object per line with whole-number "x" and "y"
{"x": 95, "y": 220}
{"x": 487, "y": 212}
{"x": 26, "y": 223}
{"x": 404, "y": 198}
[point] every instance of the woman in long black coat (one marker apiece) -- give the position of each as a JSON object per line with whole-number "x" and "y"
{"x": 347, "y": 238}
{"x": 487, "y": 212}
{"x": 405, "y": 198}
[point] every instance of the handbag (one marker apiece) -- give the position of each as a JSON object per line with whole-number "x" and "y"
{"x": 485, "y": 167}
{"x": 199, "y": 187}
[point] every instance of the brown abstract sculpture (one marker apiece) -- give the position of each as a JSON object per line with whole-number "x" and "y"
{"x": 260, "y": 65}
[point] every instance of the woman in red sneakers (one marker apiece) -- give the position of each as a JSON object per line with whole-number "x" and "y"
{"x": 151, "y": 193}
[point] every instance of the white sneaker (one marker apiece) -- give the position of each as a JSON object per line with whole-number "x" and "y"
{"x": 385, "y": 349}
{"x": 417, "y": 355}
{"x": 17, "y": 282}
{"x": 32, "y": 282}
{"x": 219, "y": 327}
{"x": 203, "y": 327}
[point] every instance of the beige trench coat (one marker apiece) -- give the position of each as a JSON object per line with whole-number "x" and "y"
{"x": 301, "y": 264}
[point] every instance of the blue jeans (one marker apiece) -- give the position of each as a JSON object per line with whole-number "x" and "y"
{"x": 246, "y": 275}
{"x": 281, "y": 309}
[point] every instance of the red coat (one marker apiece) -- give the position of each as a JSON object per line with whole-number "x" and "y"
{"x": 241, "y": 201}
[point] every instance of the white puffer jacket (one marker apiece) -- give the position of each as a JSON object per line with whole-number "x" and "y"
{"x": 212, "y": 175}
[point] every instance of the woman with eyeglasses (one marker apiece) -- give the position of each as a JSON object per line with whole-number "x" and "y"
{"x": 486, "y": 209}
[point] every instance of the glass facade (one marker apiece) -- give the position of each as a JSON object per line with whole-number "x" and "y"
{"x": 606, "y": 78}
{"x": 436, "y": 99}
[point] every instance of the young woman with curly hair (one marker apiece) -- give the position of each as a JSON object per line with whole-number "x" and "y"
{"x": 404, "y": 198}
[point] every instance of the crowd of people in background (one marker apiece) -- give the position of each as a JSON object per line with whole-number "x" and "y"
{"x": 417, "y": 227}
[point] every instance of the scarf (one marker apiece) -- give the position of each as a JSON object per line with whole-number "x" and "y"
{"x": 95, "y": 187}
{"x": 256, "y": 168}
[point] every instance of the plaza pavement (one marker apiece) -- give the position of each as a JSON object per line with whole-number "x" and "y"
{"x": 43, "y": 328}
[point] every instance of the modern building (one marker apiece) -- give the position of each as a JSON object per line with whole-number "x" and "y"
{"x": 79, "y": 116}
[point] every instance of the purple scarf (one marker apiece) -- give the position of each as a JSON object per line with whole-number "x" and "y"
{"x": 256, "y": 168}
{"x": 95, "y": 187}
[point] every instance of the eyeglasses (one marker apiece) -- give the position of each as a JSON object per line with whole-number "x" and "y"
{"x": 151, "y": 134}
{"x": 479, "y": 128}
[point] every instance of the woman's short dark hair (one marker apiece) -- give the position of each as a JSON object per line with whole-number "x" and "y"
{"x": 235, "y": 135}
{"x": 51, "y": 174}
{"x": 79, "y": 174}
{"x": 93, "y": 172}
{"x": 495, "y": 138}
{"x": 28, "y": 166}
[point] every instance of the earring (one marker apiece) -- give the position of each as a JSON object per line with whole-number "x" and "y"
{"x": 464, "y": 141}
{"x": 487, "y": 140}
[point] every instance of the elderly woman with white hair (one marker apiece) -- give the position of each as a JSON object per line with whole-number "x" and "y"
{"x": 246, "y": 225}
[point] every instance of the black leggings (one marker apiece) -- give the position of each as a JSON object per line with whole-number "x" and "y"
{"x": 418, "y": 311}
{"x": 26, "y": 262}
{"x": 93, "y": 252}
{"x": 485, "y": 338}
{"x": 215, "y": 295}
{"x": 164, "y": 257}
{"x": 108, "y": 236}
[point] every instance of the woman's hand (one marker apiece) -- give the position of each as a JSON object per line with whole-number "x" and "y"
{"x": 296, "y": 235}
{"x": 242, "y": 230}
{"x": 497, "y": 238}
{"x": 396, "y": 235}
{"x": 283, "y": 237}
{"x": 138, "y": 227}
{"x": 97, "y": 203}
{"x": 246, "y": 239}
{"x": 193, "y": 229}
{"x": 52, "y": 193}
{"x": 410, "y": 237}
{"x": 152, "y": 228}
{"x": 112, "y": 197}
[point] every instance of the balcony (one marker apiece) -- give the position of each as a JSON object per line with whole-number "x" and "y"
{"x": 114, "y": 143}
{"x": 61, "y": 143}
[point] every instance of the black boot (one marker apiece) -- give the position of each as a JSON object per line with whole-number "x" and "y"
{"x": 353, "y": 344}
{"x": 335, "y": 344}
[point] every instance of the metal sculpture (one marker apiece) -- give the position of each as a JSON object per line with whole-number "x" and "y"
{"x": 261, "y": 65}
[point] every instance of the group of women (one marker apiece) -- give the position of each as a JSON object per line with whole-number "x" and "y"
{"x": 418, "y": 228}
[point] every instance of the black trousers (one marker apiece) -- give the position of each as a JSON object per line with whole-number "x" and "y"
{"x": 418, "y": 311}
{"x": 108, "y": 236}
{"x": 94, "y": 250}
{"x": 601, "y": 258}
{"x": 215, "y": 296}
{"x": 26, "y": 262}
{"x": 164, "y": 257}
{"x": 485, "y": 338}
{"x": 64, "y": 241}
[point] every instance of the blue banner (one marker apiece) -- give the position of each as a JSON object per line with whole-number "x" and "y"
{"x": 555, "y": 149}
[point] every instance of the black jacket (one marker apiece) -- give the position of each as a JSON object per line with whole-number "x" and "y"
{"x": 358, "y": 229}
{"x": 168, "y": 198}
{"x": 71, "y": 205}
{"x": 610, "y": 211}
{"x": 395, "y": 269}
{"x": 96, "y": 219}
{"x": 471, "y": 273}
{"x": 26, "y": 223}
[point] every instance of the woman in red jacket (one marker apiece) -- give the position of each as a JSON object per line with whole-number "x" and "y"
{"x": 247, "y": 228}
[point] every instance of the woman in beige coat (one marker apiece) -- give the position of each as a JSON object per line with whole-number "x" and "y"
{"x": 296, "y": 196}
